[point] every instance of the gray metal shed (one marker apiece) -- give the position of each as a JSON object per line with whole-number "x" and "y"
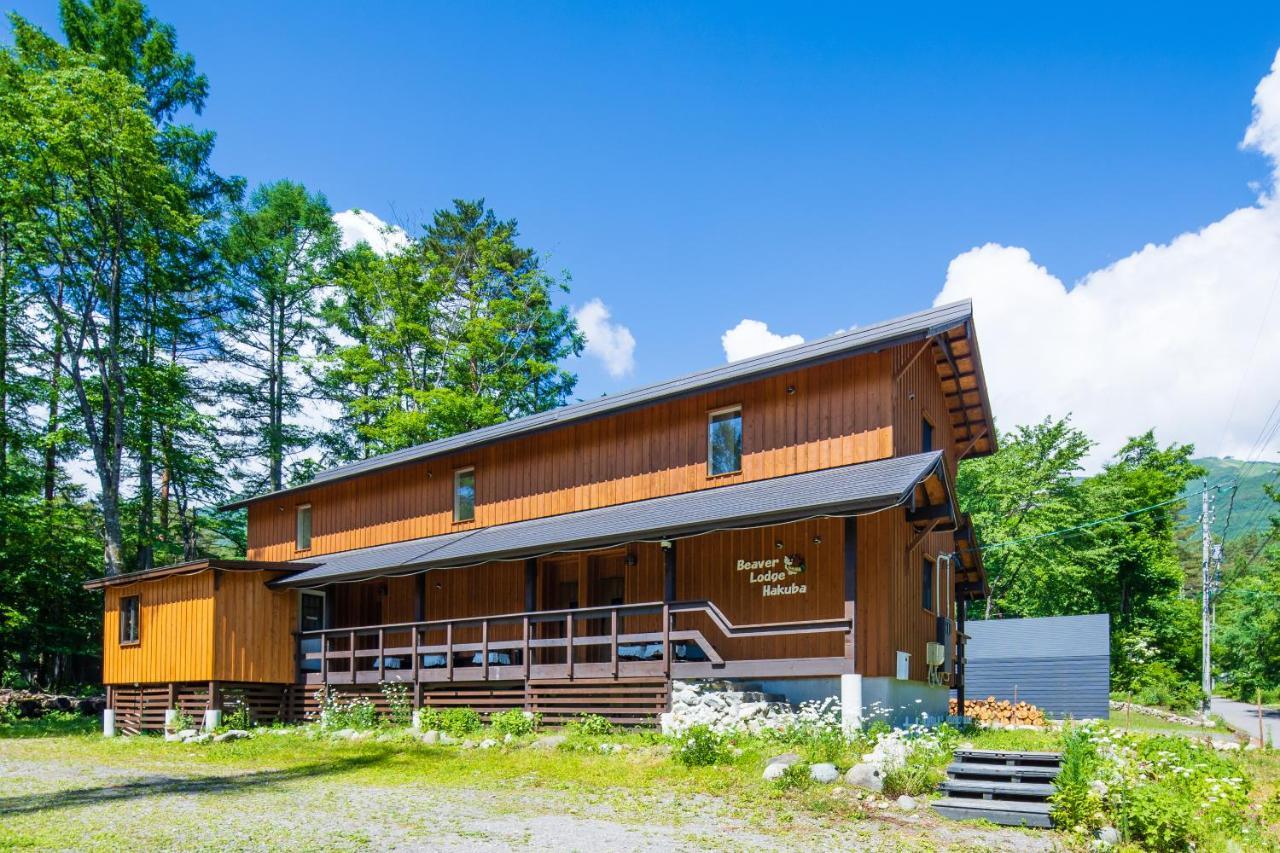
{"x": 1060, "y": 664}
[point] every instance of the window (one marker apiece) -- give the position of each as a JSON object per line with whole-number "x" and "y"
{"x": 926, "y": 435}
{"x": 926, "y": 584}
{"x": 130, "y": 614}
{"x": 464, "y": 494}
{"x": 311, "y": 618}
{"x": 302, "y": 536}
{"x": 724, "y": 441}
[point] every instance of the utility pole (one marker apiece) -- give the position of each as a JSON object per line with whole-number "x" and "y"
{"x": 1206, "y": 551}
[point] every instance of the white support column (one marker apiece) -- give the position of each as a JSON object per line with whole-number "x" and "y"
{"x": 212, "y": 719}
{"x": 851, "y": 701}
{"x": 108, "y": 723}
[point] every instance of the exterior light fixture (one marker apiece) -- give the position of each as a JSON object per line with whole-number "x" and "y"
{"x": 817, "y": 540}
{"x": 791, "y": 389}
{"x": 778, "y": 544}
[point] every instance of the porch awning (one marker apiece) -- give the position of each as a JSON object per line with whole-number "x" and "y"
{"x": 832, "y": 491}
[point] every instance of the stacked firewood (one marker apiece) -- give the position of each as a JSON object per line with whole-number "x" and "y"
{"x": 1001, "y": 712}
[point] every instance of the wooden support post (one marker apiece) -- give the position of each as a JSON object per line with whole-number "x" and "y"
{"x": 484, "y": 650}
{"x": 850, "y": 586}
{"x": 613, "y": 640}
{"x": 568, "y": 643}
{"x": 448, "y": 649}
{"x": 215, "y": 696}
{"x": 324, "y": 659}
{"x": 413, "y": 648}
{"x": 382, "y": 654}
{"x": 960, "y": 659}
{"x": 351, "y": 654}
{"x": 173, "y": 695}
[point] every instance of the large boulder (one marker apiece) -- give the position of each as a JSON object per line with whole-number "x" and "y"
{"x": 549, "y": 742}
{"x": 824, "y": 772}
{"x": 232, "y": 734}
{"x": 866, "y": 776}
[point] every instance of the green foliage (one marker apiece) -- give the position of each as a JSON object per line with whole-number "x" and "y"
{"x": 795, "y": 777}
{"x": 239, "y": 718}
{"x": 514, "y": 722}
{"x": 399, "y": 704}
{"x": 452, "y": 721}
{"x": 592, "y": 725}
{"x": 356, "y": 713}
{"x": 1123, "y": 564}
{"x": 1074, "y": 804}
{"x": 1247, "y": 640}
{"x": 701, "y": 746}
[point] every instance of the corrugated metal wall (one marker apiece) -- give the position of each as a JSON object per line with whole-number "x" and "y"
{"x": 1061, "y": 664}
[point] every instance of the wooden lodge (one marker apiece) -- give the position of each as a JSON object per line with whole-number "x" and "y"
{"x": 786, "y": 520}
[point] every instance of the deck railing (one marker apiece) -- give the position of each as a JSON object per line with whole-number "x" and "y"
{"x": 581, "y": 642}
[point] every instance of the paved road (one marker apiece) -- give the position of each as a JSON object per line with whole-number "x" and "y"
{"x": 1244, "y": 716}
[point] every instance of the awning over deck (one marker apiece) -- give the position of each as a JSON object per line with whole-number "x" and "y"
{"x": 912, "y": 481}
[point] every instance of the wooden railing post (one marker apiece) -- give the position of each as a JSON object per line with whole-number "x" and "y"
{"x": 382, "y": 654}
{"x": 524, "y": 652}
{"x": 568, "y": 643}
{"x": 666, "y": 639}
{"x": 484, "y": 650}
{"x": 448, "y": 648}
{"x": 413, "y": 646}
{"x": 351, "y": 653}
{"x": 613, "y": 640}
{"x": 324, "y": 659}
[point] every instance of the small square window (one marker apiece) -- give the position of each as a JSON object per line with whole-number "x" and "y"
{"x": 724, "y": 441}
{"x": 926, "y": 584}
{"x": 302, "y": 534}
{"x": 130, "y": 614}
{"x": 464, "y": 494}
{"x": 926, "y": 435}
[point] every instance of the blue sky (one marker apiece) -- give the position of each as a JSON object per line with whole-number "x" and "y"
{"x": 693, "y": 165}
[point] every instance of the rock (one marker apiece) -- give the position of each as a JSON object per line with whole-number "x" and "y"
{"x": 549, "y": 742}
{"x": 430, "y": 736}
{"x": 865, "y": 776}
{"x": 233, "y": 734}
{"x": 1098, "y": 787}
{"x": 1108, "y": 836}
{"x": 488, "y": 743}
{"x": 824, "y": 772}
{"x": 906, "y": 804}
{"x": 773, "y": 772}
{"x": 202, "y": 737}
{"x": 468, "y": 744}
{"x": 343, "y": 734}
{"x": 445, "y": 737}
{"x": 786, "y": 759}
{"x": 508, "y": 737}
{"x": 186, "y": 733}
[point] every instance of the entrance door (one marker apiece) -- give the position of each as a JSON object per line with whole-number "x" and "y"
{"x": 311, "y": 617}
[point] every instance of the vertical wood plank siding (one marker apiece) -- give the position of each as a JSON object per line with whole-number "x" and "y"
{"x": 840, "y": 413}
{"x": 253, "y": 629}
{"x": 175, "y": 634}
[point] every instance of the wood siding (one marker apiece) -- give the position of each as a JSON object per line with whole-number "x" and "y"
{"x": 253, "y": 629}
{"x": 837, "y": 414}
{"x": 175, "y": 636}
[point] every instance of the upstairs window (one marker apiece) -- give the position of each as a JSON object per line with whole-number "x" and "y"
{"x": 926, "y": 435}
{"x": 302, "y": 528}
{"x": 464, "y": 494}
{"x": 724, "y": 441}
{"x": 130, "y": 614}
{"x": 926, "y": 584}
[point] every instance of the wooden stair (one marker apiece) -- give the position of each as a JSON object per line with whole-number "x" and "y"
{"x": 1008, "y": 788}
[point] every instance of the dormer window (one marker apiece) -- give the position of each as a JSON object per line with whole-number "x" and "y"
{"x": 302, "y": 528}
{"x": 464, "y": 494}
{"x": 724, "y": 441}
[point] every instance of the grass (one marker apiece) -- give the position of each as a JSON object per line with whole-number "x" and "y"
{"x": 1140, "y": 722}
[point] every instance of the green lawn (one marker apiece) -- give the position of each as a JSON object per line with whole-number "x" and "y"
{"x": 68, "y": 788}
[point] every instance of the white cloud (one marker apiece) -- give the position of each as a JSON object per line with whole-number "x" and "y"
{"x": 752, "y": 337}
{"x": 608, "y": 341}
{"x": 1162, "y": 338}
{"x": 361, "y": 226}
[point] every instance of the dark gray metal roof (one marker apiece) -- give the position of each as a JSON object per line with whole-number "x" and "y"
{"x": 913, "y": 327}
{"x": 832, "y": 491}
{"x": 1042, "y": 637}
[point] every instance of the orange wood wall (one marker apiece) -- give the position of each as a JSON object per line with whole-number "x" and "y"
{"x": 175, "y": 631}
{"x": 840, "y": 413}
{"x": 253, "y": 629}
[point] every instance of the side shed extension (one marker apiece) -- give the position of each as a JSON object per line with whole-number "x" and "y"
{"x": 1061, "y": 664}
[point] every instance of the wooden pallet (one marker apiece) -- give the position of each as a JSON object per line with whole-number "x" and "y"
{"x": 1007, "y": 788}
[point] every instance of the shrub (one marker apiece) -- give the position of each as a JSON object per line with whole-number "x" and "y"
{"x": 452, "y": 721}
{"x": 919, "y": 775}
{"x": 1073, "y": 803}
{"x": 240, "y": 718}
{"x": 399, "y": 706}
{"x": 359, "y": 713}
{"x": 593, "y": 725}
{"x": 701, "y": 746}
{"x": 795, "y": 776}
{"x": 514, "y": 722}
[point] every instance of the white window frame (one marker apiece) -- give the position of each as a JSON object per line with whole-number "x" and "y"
{"x": 723, "y": 410}
{"x": 324, "y": 607}
{"x": 297, "y": 527}
{"x": 457, "y": 474}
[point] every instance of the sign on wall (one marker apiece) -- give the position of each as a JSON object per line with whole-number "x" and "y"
{"x": 772, "y": 575}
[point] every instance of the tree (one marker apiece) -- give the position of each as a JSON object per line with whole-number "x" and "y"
{"x": 1247, "y": 639}
{"x": 280, "y": 249}
{"x": 456, "y": 331}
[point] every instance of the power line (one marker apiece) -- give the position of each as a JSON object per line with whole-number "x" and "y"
{"x": 1094, "y": 523}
